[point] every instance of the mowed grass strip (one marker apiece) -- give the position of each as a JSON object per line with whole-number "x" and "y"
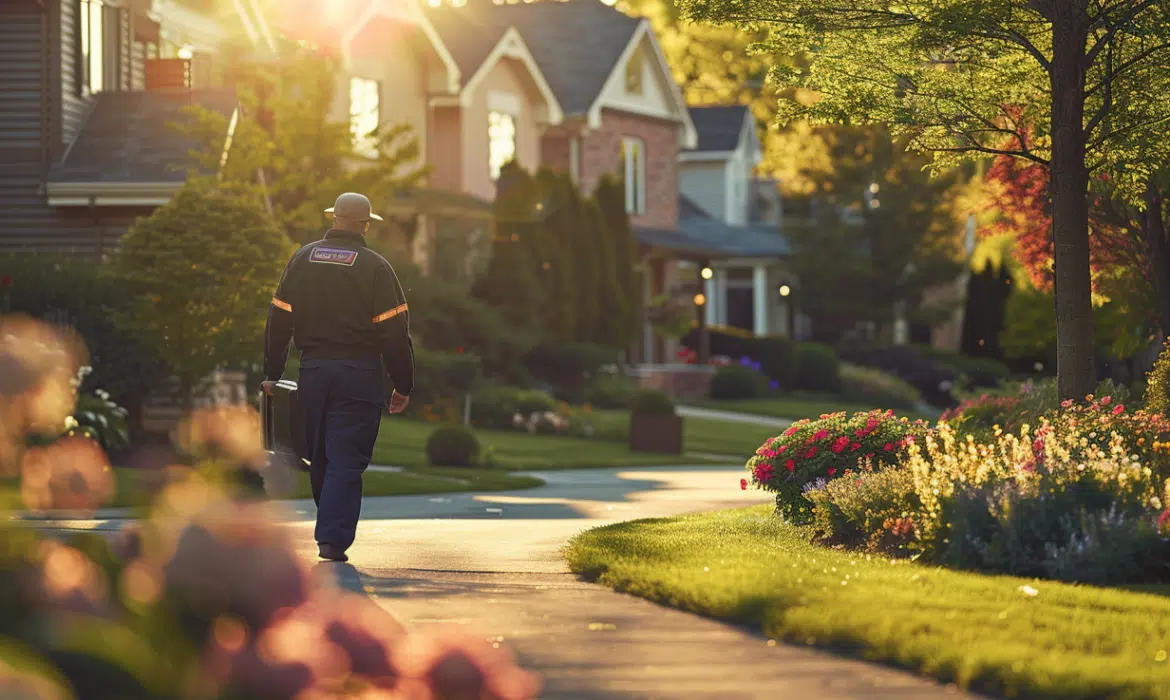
{"x": 402, "y": 443}
{"x": 993, "y": 634}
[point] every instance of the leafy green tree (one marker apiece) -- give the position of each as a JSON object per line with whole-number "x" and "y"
{"x": 291, "y": 148}
{"x": 510, "y": 282}
{"x": 1071, "y": 84}
{"x": 555, "y": 264}
{"x": 199, "y": 274}
{"x": 885, "y": 235}
{"x": 613, "y": 308}
{"x": 610, "y": 196}
{"x": 583, "y": 251}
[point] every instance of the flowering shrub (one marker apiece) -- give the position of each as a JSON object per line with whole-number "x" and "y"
{"x": 981, "y": 415}
{"x": 824, "y": 449}
{"x": 205, "y": 598}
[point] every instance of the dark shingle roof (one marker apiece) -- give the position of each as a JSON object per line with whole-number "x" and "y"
{"x": 576, "y": 43}
{"x": 719, "y": 128}
{"x": 700, "y": 235}
{"x": 129, "y": 137}
{"x": 466, "y": 36}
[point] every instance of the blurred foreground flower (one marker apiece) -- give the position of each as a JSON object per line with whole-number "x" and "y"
{"x": 38, "y": 365}
{"x": 227, "y": 433}
{"x": 72, "y": 474}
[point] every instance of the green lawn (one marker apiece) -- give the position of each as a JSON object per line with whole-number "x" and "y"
{"x": 984, "y": 633}
{"x": 402, "y": 442}
{"x": 798, "y": 407}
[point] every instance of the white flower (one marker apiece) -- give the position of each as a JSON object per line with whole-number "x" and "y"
{"x": 1029, "y": 591}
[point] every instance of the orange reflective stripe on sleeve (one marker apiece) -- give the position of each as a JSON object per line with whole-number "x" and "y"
{"x": 283, "y": 305}
{"x": 390, "y": 314}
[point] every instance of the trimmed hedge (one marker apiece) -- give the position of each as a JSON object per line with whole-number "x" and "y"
{"x": 651, "y": 402}
{"x": 496, "y": 407}
{"x": 738, "y": 382}
{"x": 452, "y": 446}
{"x": 815, "y": 368}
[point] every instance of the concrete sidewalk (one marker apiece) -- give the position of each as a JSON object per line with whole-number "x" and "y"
{"x": 492, "y": 563}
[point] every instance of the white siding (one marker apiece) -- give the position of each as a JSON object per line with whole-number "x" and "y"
{"x": 705, "y": 184}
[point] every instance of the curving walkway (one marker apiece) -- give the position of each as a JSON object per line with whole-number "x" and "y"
{"x": 492, "y": 562}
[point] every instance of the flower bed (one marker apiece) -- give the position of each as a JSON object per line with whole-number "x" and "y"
{"x": 1082, "y": 496}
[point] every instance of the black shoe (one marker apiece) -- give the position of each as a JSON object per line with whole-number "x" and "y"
{"x": 331, "y": 552}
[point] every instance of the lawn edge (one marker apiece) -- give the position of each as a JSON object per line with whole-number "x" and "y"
{"x": 989, "y": 684}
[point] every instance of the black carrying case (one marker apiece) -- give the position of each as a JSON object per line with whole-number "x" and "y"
{"x": 284, "y": 424}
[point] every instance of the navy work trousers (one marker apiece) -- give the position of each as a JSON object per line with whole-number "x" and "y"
{"x": 343, "y": 402}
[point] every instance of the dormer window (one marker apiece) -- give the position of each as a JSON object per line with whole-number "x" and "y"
{"x": 635, "y": 71}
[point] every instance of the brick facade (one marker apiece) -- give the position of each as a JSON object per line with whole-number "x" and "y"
{"x": 601, "y": 154}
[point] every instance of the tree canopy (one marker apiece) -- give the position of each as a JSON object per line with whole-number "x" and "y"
{"x": 199, "y": 274}
{"x": 1074, "y": 85}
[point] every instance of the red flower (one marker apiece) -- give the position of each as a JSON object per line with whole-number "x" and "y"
{"x": 791, "y": 431}
{"x": 856, "y": 446}
{"x": 811, "y": 451}
{"x": 832, "y": 471}
{"x": 1118, "y": 409}
{"x": 790, "y": 465}
{"x": 781, "y": 449}
{"x": 1164, "y": 521}
{"x": 5, "y": 281}
{"x": 1106, "y": 400}
{"x": 743, "y": 484}
{"x": 889, "y": 446}
{"x": 840, "y": 444}
{"x": 764, "y": 472}
{"x": 820, "y": 435}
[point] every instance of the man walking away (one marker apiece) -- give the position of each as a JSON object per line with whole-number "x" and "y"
{"x": 343, "y": 305}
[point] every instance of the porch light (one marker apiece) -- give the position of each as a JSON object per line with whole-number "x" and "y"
{"x": 700, "y": 299}
{"x": 785, "y": 290}
{"x": 706, "y": 273}
{"x": 873, "y": 188}
{"x": 186, "y": 53}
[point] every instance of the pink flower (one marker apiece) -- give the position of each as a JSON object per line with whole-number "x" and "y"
{"x": 840, "y": 444}
{"x": 790, "y": 465}
{"x": 1118, "y": 409}
{"x": 1164, "y": 521}
{"x": 782, "y": 449}
{"x": 856, "y": 447}
{"x": 820, "y": 435}
{"x": 889, "y": 446}
{"x": 743, "y": 484}
{"x": 764, "y": 472}
{"x": 811, "y": 451}
{"x": 832, "y": 471}
{"x": 1105, "y": 401}
{"x": 791, "y": 431}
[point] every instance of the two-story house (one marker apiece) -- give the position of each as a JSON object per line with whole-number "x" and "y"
{"x": 745, "y": 283}
{"x": 88, "y": 92}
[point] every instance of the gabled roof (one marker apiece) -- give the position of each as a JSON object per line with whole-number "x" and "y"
{"x": 719, "y": 128}
{"x": 469, "y": 42}
{"x": 128, "y": 147}
{"x": 577, "y": 43}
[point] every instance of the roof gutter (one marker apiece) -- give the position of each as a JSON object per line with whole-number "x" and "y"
{"x": 110, "y": 194}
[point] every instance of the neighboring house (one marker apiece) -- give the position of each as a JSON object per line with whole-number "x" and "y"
{"x": 475, "y": 101}
{"x": 746, "y": 285}
{"x": 623, "y": 115}
{"x": 88, "y": 89}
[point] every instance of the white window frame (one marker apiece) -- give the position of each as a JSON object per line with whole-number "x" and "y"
{"x": 634, "y": 174}
{"x": 365, "y": 114}
{"x": 91, "y": 33}
{"x": 501, "y": 143}
{"x": 636, "y": 72}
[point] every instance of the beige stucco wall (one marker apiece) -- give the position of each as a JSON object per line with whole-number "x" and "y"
{"x": 403, "y": 67}
{"x": 507, "y": 88}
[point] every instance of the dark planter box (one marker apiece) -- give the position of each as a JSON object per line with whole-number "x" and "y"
{"x": 660, "y": 434}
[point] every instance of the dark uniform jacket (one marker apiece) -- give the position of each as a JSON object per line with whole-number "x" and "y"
{"x": 339, "y": 300}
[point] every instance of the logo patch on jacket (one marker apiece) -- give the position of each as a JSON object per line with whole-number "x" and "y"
{"x": 333, "y": 256}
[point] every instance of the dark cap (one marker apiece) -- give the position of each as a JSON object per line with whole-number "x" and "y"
{"x": 352, "y": 205}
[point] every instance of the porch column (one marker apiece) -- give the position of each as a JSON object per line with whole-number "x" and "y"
{"x": 720, "y": 305}
{"x": 760, "y": 299}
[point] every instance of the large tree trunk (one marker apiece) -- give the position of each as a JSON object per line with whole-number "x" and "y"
{"x": 1075, "y": 368}
{"x": 1154, "y": 236}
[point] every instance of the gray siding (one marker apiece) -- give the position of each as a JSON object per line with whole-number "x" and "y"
{"x": 73, "y": 105}
{"x": 138, "y": 66}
